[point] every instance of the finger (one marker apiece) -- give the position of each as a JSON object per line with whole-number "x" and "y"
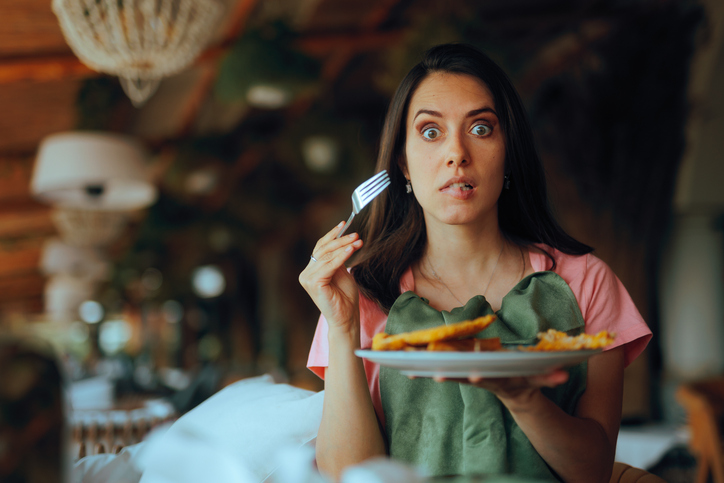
{"x": 329, "y": 236}
{"x": 438, "y": 378}
{"x": 551, "y": 379}
{"x": 325, "y": 239}
{"x": 328, "y": 250}
{"x": 319, "y": 275}
{"x": 474, "y": 379}
{"x": 335, "y": 256}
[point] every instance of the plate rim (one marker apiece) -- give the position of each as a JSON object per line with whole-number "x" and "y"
{"x": 471, "y": 355}
{"x": 452, "y": 364}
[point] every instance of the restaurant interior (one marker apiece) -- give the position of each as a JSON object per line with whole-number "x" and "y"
{"x": 155, "y": 215}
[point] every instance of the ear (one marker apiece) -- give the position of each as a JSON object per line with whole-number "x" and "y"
{"x": 402, "y": 164}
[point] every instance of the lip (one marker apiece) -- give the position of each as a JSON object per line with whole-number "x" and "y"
{"x": 457, "y": 192}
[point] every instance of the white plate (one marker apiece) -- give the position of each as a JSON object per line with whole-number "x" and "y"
{"x": 505, "y": 363}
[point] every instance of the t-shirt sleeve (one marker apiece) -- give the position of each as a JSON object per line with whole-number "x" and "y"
{"x": 319, "y": 352}
{"x": 610, "y": 307}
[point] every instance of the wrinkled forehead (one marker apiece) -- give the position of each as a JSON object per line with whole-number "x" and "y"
{"x": 450, "y": 93}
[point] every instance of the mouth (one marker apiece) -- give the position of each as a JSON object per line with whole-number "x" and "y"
{"x": 460, "y": 186}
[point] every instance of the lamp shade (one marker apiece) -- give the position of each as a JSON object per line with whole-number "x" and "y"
{"x": 92, "y": 171}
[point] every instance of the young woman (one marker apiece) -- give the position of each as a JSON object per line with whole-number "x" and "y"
{"x": 464, "y": 230}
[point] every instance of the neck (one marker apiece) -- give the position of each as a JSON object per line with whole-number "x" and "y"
{"x": 463, "y": 249}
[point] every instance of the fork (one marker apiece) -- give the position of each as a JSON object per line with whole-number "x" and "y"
{"x": 365, "y": 193}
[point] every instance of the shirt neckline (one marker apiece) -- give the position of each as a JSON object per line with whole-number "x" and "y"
{"x": 537, "y": 261}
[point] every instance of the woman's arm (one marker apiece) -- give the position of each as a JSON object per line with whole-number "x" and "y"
{"x": 349, "y": 432}
{"x": 578, "y": 448}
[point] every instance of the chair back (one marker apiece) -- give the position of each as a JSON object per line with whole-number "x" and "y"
{"x": 704, "y": 404}
{"x": 623, "y": 473}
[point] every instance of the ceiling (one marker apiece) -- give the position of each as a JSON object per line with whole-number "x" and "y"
{"x": 356, "y": 42}
{"x": 40, "y": 80}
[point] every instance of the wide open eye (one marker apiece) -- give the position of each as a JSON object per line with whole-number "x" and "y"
{"x": 481, "y": 130}
{"x": 431, "y": 133}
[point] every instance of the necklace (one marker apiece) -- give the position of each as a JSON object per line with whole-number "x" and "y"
{"x": 492, "y": 274}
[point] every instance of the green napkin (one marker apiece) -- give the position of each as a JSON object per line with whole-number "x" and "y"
{"x": 456, "y": 429}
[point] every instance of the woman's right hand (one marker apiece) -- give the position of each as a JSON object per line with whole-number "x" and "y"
{"x": 329, "y": 284}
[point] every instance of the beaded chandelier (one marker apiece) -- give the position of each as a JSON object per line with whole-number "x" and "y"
{"x": 140, "y": 41}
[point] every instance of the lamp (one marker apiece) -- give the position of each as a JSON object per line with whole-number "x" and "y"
{"x": 89, "y": 228}
{"x": 140, "y": 41}
{"x": 85, "y": 263}
{"x": 63, "y": 295}
{"x": 321, "y": 153}
{"x": 92, "y": 171}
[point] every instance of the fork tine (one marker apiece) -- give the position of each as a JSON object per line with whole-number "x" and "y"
{"x": 372, "y": 187}
{"x": 373, "y": 179}
{"x": 372, "y": 192}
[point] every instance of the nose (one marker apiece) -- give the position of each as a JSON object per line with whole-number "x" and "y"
{"x": 457, "y": 154}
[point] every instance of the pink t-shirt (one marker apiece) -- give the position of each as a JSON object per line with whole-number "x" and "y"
{"x": 604, "y": 302}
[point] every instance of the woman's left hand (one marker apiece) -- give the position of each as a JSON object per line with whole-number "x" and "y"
{"x": 514, "y": 390}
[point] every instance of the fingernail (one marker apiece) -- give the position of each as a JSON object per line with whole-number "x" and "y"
{"x": 349, "y": 248}
{"x": 341, "y": 223}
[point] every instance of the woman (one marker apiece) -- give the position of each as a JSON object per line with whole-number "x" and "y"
{"x": 464, "y": 230}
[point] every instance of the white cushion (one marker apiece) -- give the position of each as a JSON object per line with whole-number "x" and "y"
{"x": 235, "y": 436}
{"x": 243, "y": 426}
{"x": 111, "y": 468}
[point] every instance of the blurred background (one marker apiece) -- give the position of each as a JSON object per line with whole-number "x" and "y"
{"x": 187, "y": 280}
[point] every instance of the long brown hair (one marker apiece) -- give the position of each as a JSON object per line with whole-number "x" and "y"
{"x": 394, "y": 226}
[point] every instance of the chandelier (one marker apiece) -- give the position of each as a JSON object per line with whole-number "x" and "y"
{"x": 140, "y": 41}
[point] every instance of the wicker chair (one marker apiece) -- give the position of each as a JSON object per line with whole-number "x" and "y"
{"x": 623, "y": 473}
{"x": 704, "y": 405}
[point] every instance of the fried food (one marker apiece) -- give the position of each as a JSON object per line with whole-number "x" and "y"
{"x": 466, "y": 345}
{"x": 422, "y": 337}
{"x": 554, "y": 340}
{"x": 386, "y": 342}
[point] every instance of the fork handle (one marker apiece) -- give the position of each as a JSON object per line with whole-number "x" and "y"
{"x": 346, "y": 225}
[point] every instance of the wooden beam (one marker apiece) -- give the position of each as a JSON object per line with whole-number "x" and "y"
{"x": 22, "y": 286}
{"x": 22, "y": 306}
{"x": 326, "y": 44}
{"x": 15, "y": 174}
{"x": 196, "y": 98}
{"x": 22, "y": 223}
{"x": 379, "y": 14}
{"x": 61, "y": 67}
{"x": 18, "y": 262}
{"x": 239, "y": 17}
{"x": 343, "y": 52}
{"x": 41, "y": 69}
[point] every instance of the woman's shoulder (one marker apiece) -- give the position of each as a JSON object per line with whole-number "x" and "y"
{"x": 604, "y": 301}
{"x": 589, "y": 277}
{"x": 568, "y": 266}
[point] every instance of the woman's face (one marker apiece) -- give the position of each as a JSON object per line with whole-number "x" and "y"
{"x": 454, "y": 150}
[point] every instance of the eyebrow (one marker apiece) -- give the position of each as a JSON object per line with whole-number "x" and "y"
{"x": 472, "y": 113}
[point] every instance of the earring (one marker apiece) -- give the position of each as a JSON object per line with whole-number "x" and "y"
{"x": 408, "y": 187}
{"x": 506, "y": 182}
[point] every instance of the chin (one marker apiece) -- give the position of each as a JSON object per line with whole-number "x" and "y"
{"x": 467, "y": 218}
{"x": 460, "y": 220}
